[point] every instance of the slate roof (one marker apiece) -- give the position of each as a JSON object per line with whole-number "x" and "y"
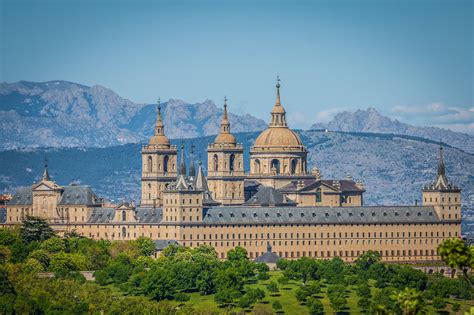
{"x": 162, "y": 244}
{"x": 144, "y": 215}
{"x": 268, "y": 258}
{"x": 79, "y": 195}
{"x": 345, "y": 185}
{"x": 22, "y": 197}
{"x": 70, "y": 195}
{"x": 321, "y": 215}
{"x": 268, "y": 196}
{"x": 3, "y": 215}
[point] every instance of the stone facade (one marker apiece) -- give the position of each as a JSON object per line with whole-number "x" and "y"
{"x": 278, "y": 204}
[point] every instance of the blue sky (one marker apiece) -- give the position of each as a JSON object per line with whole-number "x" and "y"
{"x": 409, "y": 59}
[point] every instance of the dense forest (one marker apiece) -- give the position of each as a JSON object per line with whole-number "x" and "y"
{"x": 40, "y": 274}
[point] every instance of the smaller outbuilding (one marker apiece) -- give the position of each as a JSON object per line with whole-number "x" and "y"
{"x": 270, "y": 258}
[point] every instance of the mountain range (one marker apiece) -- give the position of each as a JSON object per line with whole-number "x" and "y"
{"x": 66, "y": 114}
{"x": 371, "y": 120}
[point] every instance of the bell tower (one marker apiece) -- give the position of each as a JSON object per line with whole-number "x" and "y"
{"x": 225, "y": 160}
{"x": 443, "y": 195}
{"x": 159, "y": 164}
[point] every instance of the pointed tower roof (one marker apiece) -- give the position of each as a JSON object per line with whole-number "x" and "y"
{"x": 225, "y": 137}
{"x": 182, "y": 164}
{"x": 192, "y": 166}
{"x": 45, "y": 176}
{"x": 201, "y": 184}
{"x": 159, "y": 137}
{"x": 441, "y": 182}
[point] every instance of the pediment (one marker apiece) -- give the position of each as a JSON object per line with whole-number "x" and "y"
{"x": 319, "y": 184}
{"x": 43, "y": 187}
{"x": 123, "y": 207}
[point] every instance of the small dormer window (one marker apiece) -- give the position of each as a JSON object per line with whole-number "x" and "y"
{"x": 231, "y": 214}
{"x": 396, "y": 214}
{"x": 373, "y": 214}
{"x": 408, "y": 214}
{"x": 302, "y": 214}
{"x": 314, "y": 215}
{"x": 362, "y": 214}
{"x": 385, "y": 214}
{"x": 350, "y": 214}
{"x": 220, "y": 215}
{"x": 431, "y": 214}
{"x": 255, "y": 214}
{"x": 290, "y": 214}
{"x": 266, "y": 214}
{"x": 278, "y": 214}
{"x": 419, "y": 214}
{"x": 326, "y": 214}
{"x": 338, "y": 214}
{"x": 243, "y": 215}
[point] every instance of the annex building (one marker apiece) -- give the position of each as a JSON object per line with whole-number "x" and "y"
{"x": 278, "y": 204}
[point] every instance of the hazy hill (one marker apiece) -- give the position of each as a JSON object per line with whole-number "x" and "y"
{"x": 66, "y": 114}
{"x": 372, "y": 121}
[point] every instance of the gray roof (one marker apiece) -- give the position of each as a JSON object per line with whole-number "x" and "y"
{"x": 268, "y": 258}
{"x": 143, "y": 215}
{"x": 342, "y": 185}
{"x": 268, "y": 196}
{"x": 321, "y": 215}
{"x": 162, "y": 244}
{"x": 3, "y": 215}
{"x": 70, "y": 195}
{"x": 22, "y": 197}
{"x": 79, "y": 195}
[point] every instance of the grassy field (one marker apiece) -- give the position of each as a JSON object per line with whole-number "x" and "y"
{"x": 290, "y": 305}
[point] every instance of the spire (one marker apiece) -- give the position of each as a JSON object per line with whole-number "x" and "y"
{"x": 278, "y": 112}
{"x": 159, "y": 138}
{"x": 278, "y": 102}
{"x": 182, "y": 166}
{"x": 159, "y": 127}
{"x": 45, "y": 176}
{"x": 192, "y": 167}
{"x": 225, "y": 125}
{"x": 201, "y": 182}
{"x": 441, "y": 167}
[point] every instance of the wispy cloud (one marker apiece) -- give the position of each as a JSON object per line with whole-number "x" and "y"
{"x": 437, "y": 114}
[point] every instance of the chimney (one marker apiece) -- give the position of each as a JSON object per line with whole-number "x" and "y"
{"x": 336, "y": 184}
{"x": 300, "y": 184}
{"x": 416, "y": 202}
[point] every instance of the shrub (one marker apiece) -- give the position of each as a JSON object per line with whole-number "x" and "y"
{"x": 272, "y": 287}
{"x": 314, "y": 306}
{"x": 456, "y": 307}
{"x": 438, "y": 303}
{"x": 277, "y": 306}
{"x": 181, "y": 297}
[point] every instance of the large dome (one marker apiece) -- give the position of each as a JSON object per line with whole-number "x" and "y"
{"x": 278, "y": 137}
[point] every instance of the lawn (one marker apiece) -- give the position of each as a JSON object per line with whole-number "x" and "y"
{"x": 290, "y": 305}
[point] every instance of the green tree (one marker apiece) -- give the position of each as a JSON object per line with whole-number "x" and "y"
{"x": 35, "y": 229}
{"x": 337, "y": 297}
{"x": 363, "y": 290}
{"x": 315, "y": 306}
{"x": 237, "y": 254}
{"x": 42, "y": 256}
{"x": 62, "y": 264}
{"x": 53, "y": 245}
{"x": 456, "y": 254}
{"x": 438, "y": 303}
{"x": 367, "y": 259}
{"x": 364, "y": 304}
{"x": 33, "y": 266}
{"x": 272, "y": 287}
{"x": 456, "y": 307}
{"x": 5, "y": 254}
{"x": 277, "y": 306}
{"x": 409, "y": 301}
{"x": 229, "y": 285}
{"x": 145, "y": 245}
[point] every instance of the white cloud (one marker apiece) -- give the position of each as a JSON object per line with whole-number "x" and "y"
{"x": 437, "y": 114}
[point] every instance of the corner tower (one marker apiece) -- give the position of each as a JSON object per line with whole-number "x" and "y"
{"x": 443, "y": 195}
{"x": 278, "y": 155}
{"x": 225, "y": 160}
{"x": 158, "y": 164}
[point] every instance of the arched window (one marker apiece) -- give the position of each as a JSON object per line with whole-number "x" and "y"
{"x": 124, "y": 232}
{"x": 257, "y": 166}
{"x": 216, "y": 163}
{"x": 276, "y": 165}
{"x": 231, "y": 162}
{"x": 318, "y": 195}
{"x": 149, "y": 164}
{"x": 124, "y": 216}
{"x": 165, "y": 163}
{"x": 293, "y": 166}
